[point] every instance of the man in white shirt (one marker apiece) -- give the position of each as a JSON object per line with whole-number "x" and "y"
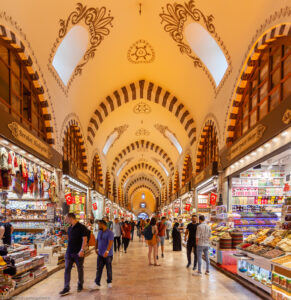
{"x": 203, "y": 235}
{"x": 168, "y": 228}
{"x": 117, "y": 234}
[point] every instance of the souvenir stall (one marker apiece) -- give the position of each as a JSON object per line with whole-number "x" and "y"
{"x": 76, "y": 186}
{"x": 97, "y": 200}
{"x": 258, "y": 170}
{"x": 108, "y": 209}
{"x": 29, "y": 200}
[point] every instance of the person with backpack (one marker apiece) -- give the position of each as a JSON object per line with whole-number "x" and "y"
{"x": 161, "y": 234}
{"x": 77, "y": 245}
{"x": 151, "y": 236}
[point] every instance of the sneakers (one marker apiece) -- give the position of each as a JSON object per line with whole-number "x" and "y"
{"x": 162, "y": 255}
{"x": 194, "y": 268}
{"x": 65, "y": 292}
{"x": 197, "y": 274}
{"x": 188, "y": 265}
{"x": 207, "y": 273}
{"x": 95, "y": 286}
{"x": 109, "y": 285}
{"x": 80, "y": 288}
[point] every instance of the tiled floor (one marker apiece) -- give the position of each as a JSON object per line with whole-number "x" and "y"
{"x": 133, "y": 278}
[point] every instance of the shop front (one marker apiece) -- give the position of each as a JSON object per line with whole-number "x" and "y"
{"x": 206, "y": 191}
{"x": 76, "y": 184}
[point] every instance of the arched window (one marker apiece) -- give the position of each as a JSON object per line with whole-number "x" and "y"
{"x": 267, "y": 85}
{"x": 208, "y": 148}
{"x": 73, "y": 149}
{"x": 96, "y": 171}
{"x": 18, "y": 95}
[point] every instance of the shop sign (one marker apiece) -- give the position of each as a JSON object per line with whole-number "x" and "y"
{"x": 176, "y": 209}
{"x": 200, "y": 177}
{"x": 213, "y": 198}
{"x": 25, "y": 137}
{"x": 247, "y": 141}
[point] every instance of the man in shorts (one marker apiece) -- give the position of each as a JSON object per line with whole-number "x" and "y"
{"x": 162, "y": 235}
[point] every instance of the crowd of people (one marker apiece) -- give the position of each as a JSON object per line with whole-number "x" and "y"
{"x": 115, "y": 236}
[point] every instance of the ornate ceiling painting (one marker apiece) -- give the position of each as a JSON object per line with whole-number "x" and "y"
{"x": 175, "y": 17}
{"x": 142, "y": 93}
{"x": 141, "y": 52}
{"x": 97, "y": 21}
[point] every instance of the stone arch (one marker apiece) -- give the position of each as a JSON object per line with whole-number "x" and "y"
{"x": 9, "y": 37}
{"x": 138, "y": 145}
{"x": 143, "y": 166}
{"x": 144, "y": 180}
{"x": 147, "y": 90}
{"x": 277, "y": 31}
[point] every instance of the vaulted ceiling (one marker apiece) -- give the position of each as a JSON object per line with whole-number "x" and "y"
{"x": 140, "y": 94}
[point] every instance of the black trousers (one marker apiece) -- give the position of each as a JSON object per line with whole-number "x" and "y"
{"x": 125, "y": 243}
{"x": 101, "y": 262}
{"x": 191, "y": 247}
{"x": 117, "y": 243}
{"x": 70, "y": 259}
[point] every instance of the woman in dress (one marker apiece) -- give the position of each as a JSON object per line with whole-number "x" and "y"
{"x": 153, "y": 243}
{"x": 177, "y": 246}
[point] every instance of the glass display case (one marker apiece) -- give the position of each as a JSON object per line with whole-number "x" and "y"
{"x": 255, "y": 274}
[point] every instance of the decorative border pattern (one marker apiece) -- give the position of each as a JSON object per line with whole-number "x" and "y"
{"x": 142, "y": 89}
{"x": 176, "y": 184}
{"x": 97, "y": 20}
{"x": 146, "y": 180}
{"x": 250, "y": 55}
{"x": 107, "y": 182}
{"x": 187, "y": 160}
{"x": 99, "y": 169}
{"x": 176, "y": 18}
{"x": 207, "y": 124}
{"x": 9, "y": 37}
{"x": 141, "y": 52}
{"x": 143, "y": 186}
{"x": 75, "y": 124}
{"x": 142, "y": 166}
{"x": 141, "y": 144}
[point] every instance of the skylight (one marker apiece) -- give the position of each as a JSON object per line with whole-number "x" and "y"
{"x": 121, "y": 167}
{"x": 70, "y": 52}
{"x": 163, "y": 167}
{"x": 174, "y": 140}
{"x": 110, "y": 141}
{"x": 206, "y": 48}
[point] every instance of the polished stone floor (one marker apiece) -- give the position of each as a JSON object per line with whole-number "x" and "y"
{"x": 133, "y": 279}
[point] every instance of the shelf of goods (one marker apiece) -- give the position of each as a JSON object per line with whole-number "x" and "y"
{"x": 29, "y": 261}
{"x": 262, "y": 258}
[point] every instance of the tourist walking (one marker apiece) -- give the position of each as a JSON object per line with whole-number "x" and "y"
{"x": 151, "y": 236}
{"x": 77, "y": 244}
{"x": 109, "y": 223}
{"x": 203, "y": 234}
{"x": 190, "y": 238}
{"x": 141, "y": 229}
{"x": 161, "y": 234}
{"x": 126, "y": 230}
{"x": 117, "y": 234}
{"x": 176, "y": 235}
{"x": 104, "y": 250}
{"x": 132, "y": 224}
{"x": 168, "y": 228}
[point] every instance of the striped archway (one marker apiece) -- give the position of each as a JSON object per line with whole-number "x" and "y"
{"x": 75, "y": 125}
{"x": 108, "y": 182}
{"x": 143, "y": 180}
{"x": 142, "y": 144}
{"x": 147, "y": 90}
{"x": 208, "y": 128}
{"x": 143, "y": 166}
{"x": 270, "y": 35}
{"x": 142, "y": 186}
{"x": 187, "y": 169}
{"x": 11, "y": 38}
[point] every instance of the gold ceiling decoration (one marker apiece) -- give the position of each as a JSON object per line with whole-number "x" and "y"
{"x": 97, "y": 20}
{"x": 175, "y": 16}
{"x": 142, "y": 131}
{"x": 141, "y": 52}
{"x": 142, "y": 108}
